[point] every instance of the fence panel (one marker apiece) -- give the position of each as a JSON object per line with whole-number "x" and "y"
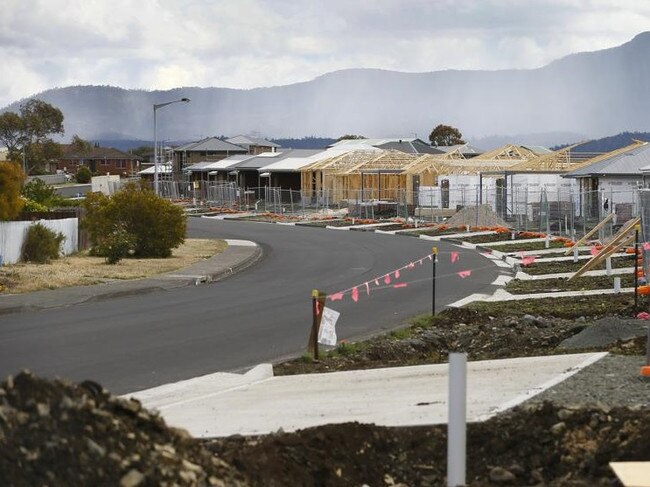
{"x": 13, "y": 234}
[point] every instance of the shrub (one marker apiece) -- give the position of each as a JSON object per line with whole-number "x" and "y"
{"x": 39, "y": 191}
{"x": 83, "y": 175}
{"x": 115, "y": 245}
{"x": 11, "y": 179}
{"x": 41, "y": 244}
{"x": 31, "y": 205}
{"x": 154, "y": 225}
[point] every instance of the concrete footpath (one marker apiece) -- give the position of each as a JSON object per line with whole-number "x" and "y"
{"x": 257, "y": 403}
{"x": 238, "y": 255}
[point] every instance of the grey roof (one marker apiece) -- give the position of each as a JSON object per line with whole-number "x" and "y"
{"x": 268, "y": 158}
{"x": 246, "y": 140}
{"x": 411, "y": 146}
{"x": 463, "y": 148}
{"x": 211, "y": 144}
{"x": 628, "y": 163}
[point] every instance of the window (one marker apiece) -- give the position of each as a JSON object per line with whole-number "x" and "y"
{"x": 121, "y": 164}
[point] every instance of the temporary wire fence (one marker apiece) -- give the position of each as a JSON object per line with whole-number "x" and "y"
{"x": 562, "y": 212}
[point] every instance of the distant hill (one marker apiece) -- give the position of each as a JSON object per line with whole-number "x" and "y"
{"x": 592, "y": 93}
{"x": 610, "y": 143}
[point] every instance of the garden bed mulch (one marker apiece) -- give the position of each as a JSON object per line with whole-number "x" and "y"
{"x": 434, "y": 231}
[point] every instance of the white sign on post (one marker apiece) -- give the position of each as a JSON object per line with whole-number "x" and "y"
{"x": 327, "y": 332}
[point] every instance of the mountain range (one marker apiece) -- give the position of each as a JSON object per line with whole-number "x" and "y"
{"x": 580, "y": 96}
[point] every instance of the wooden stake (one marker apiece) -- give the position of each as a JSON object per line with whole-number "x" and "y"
{"x": 593, "y": 230}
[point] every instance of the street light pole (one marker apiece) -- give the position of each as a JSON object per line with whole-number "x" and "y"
{"x": 156, "y": 106}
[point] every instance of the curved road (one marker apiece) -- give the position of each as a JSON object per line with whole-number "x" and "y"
{"x": 261, "y": 314}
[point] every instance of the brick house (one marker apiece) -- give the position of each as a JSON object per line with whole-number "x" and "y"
{"x": 100, "y": 160}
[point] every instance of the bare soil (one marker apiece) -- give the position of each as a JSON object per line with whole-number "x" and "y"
{"x": 58, "y": 433}
{"x": 81, "y": 269}
{"x": 557, "y": 284}
{"x": 483, "y": 330}
{"x": 516, "y": 247}
{"x": 570, "y": 266}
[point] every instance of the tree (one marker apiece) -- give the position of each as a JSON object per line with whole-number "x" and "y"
{"x": 350, "y": 137}
{"x": 26, "y": 134}
{"x": 152, "y": 225}
{"x": 83, "y": 176}
{"x": 446, "y": 135}
{"x": 80, "y": 146}
{"x": 11, "y": 180}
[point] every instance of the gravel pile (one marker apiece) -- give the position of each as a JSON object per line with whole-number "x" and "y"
{"x": 55, "y": 433}
{"x": 479, "y": 216}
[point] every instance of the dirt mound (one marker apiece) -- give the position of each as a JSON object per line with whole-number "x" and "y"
{"x": 533, "y": 445}
{"x": 476, "y": 216}
{"x": 55, "y": 433}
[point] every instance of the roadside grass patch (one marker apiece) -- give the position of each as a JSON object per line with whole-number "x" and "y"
{"x": 82, "y": 270}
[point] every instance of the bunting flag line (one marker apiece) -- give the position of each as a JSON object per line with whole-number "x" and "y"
{"x": 401, "y": 284}
{"x": 464, "y": 274}
{"x": 529, "y": 259}
{"x": 354, "y": 291}
{"x": 454, "y": 257}
{"x": 317, "y": 307}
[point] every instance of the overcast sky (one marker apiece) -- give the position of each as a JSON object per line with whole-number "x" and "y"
{"x": 250, "y": 43}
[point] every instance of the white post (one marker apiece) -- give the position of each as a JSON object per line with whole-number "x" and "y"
{"x": 457, "y": 418}
{"x": 547, "y": 241}
{"x": 608, "y": 265}
{"x": 575, "y": 254}
{"x": 155, "y": 153}
{"x": 617, "y": 285}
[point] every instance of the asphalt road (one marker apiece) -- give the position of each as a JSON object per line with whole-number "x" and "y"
{"x": 261, "y": 314}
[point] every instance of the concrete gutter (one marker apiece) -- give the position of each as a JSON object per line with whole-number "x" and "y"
{"x": 239, "y": 255}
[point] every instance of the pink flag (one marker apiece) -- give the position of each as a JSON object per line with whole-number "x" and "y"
{"x": 401, "y": 284}
{"x": 646, "y": 246}
{"x": 387, "y": 279}
{"x": 411, "y": 265}
{"x": 376, "y": 282}
{"x": 336, "y": 296}
{"x": 396, "y": 274}
{"x": 367, "y": 289}
{"x": 355, "y": 294}
{"x": 464, "y": 274}
{"x": 454, "y": 257}
{"x": 594, "y": 250}
{"x": 529, "y": 259}
{"x": 317, "y": 307}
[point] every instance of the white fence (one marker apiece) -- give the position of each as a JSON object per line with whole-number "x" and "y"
{"x": 12, "y": 236}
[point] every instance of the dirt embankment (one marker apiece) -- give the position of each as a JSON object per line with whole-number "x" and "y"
{"x": 55, "y": 433}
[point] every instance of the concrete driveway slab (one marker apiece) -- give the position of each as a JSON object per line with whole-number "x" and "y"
{"x": 399, "y": 396}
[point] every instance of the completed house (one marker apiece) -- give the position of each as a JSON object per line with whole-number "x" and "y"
{"x": 207, "y": 150}
{"x": 100, "y": 160}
